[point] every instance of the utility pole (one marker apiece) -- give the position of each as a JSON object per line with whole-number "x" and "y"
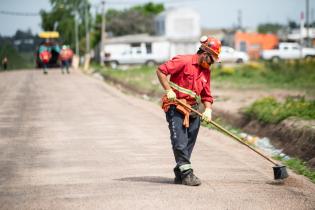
{"x": 102, "y": 34}
{"x": 76, "y": 31}
{"x": 312, "y": 16}
{"x": 301, "y": 33}
{"x": 239, "y": 19}
{"x": 87, "y": 30}
{"x": 307, "y": 22}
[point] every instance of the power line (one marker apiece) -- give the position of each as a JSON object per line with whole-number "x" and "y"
{"x": 144, "y": 2}
{"x": 30, "y": 14}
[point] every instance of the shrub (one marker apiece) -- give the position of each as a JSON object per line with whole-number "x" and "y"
{"x": 268, "y": 110}
{"x": 227, "y": 71}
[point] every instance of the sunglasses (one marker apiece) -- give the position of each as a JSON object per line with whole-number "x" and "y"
{"x": 209, "y": 59}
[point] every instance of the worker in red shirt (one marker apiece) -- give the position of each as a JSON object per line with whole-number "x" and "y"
{"x": 189, "y": 82}
{"x": 45, "y": 56}
{"x": 65, "y": 56}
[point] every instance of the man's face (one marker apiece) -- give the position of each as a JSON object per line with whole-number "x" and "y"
{"x": 205, "y": 60}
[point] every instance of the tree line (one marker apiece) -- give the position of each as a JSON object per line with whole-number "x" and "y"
{"x": 61, "y": 18}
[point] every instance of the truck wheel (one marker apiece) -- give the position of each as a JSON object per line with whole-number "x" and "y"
{"x": 239, "y": 60}
{"x": 114, "y": 64}
{"x": 150, "y": 63}
{"x": 275, "y": 59}
{"x": 309, "y": 58}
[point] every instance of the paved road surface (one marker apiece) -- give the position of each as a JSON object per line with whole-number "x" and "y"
{"x": 73, "y": 142}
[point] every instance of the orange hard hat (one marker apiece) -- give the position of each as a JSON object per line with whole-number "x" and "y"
{"x": 211, "y": 45}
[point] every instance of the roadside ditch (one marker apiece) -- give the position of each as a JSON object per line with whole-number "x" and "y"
{"x": 291, "y": 137}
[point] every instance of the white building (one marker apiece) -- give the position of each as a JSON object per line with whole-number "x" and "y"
{"x": 177, "y": 32}
{"x": 297, "y": 34}
{"x": 180, "y": 23}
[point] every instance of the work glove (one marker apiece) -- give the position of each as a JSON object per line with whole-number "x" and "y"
{"x": 207, "y": 115}
{"x": 170, "y": 94}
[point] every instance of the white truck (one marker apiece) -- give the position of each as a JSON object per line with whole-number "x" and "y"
{"x": 144, "y": 49}
{"x": 288, "y": 50}
{"x": 136, "y": 53}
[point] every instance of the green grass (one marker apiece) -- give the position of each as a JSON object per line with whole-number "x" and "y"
{"x": 143, "y": 78}
{"x": 16, "y": 59}
{"x": 290, "y": 74}
{"x": 285, "y": 74}
{"x": 269, "y": 110}
{"x": 299, "y": 167}
{"x": 294, "y": 75}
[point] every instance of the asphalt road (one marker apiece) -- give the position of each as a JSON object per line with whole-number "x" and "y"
{"x": 73, "y": 142}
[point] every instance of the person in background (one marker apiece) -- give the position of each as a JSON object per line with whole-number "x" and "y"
{"x": 189, "y": 83}
{"x": 45, "y": 56}
{"x": 5, "y": 62}
{"x": 65, "y": 56}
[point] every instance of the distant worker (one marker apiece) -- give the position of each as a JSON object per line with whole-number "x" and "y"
{"x": 44, "y": 56}
{"x": 5, "y": 62}
{"x": 190, "y": 83}
{"x": 65, "y": 56}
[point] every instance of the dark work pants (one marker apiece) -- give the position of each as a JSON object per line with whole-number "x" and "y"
{"x": 65, "y": 64}
{"x": 183, "y": 139}
{"x": 45, "y": 67}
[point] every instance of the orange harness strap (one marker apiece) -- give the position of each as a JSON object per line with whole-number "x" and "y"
{"x": 185, "y": 111}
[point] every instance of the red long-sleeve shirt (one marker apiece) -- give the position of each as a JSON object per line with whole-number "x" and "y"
{"x": 186, "y": 72}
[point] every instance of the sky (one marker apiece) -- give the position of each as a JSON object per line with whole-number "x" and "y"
{"x": 214, "y": 13}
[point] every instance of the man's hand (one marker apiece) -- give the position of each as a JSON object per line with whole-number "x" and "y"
{"x": 170, "y": 94}
{"x": 207, "y": 115}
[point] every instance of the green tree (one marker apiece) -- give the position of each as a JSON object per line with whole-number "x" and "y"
{"x": 149, "y": 8}
{"x": 61, "y": 18}
{"x": 269, "y": 28}
{"x": 292, "y": 24}
{"x": 138, "y": 19}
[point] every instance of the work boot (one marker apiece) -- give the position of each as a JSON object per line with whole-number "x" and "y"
{"x": 178, "y": 178}
{"x": 189, "y": 178}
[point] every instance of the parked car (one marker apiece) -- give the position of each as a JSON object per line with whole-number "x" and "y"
{"x": 228, "y": 54}
{"x": 288, "y": 50}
